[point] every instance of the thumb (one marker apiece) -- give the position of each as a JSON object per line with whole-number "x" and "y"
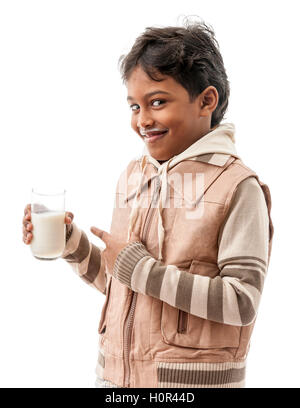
{"x": 69, "y": 217}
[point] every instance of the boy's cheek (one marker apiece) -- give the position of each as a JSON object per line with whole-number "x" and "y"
{"x": 134, "y": 125}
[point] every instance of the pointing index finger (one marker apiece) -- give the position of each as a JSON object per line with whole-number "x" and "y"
{"x": 101, "y": 234}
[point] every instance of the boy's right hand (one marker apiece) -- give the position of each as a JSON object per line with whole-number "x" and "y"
{"x": 28, "y": 227}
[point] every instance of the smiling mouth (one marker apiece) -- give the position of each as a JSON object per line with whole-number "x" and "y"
{"x": 153, "y": 136}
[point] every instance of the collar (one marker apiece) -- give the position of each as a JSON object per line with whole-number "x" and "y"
{"x": 216, "y": 159}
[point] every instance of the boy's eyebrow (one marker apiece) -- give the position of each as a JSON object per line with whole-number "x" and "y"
{"x": 129, "y": 98}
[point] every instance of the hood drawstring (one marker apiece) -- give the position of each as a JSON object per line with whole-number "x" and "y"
{"x": 163, "y": 197}
{"x": 134, "y": 211}
{"x": 161, "y": 204}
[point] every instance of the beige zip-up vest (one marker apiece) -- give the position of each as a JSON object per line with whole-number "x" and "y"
{"x": 138, "y": 331}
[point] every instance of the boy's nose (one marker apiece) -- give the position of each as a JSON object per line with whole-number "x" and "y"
{"x": 144, "y": 120}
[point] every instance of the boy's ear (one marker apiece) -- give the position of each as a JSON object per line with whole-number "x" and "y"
{"x": 208, "y": 101}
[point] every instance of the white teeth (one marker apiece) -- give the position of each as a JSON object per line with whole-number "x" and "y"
{"x": 160, "y": 132}
{"x": 143, "y": 133}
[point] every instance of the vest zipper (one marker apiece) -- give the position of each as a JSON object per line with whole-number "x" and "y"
{"x": 151, "y": 210}
{"x": 129, "y": 320}
{"x": 127, "y": 338}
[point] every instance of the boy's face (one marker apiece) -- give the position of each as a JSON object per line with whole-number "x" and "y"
{"x": 163, "y": 116}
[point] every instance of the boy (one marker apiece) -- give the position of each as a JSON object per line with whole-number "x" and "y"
{"x": 191, "y": 234}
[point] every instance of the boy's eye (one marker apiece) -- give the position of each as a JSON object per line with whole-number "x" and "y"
{"x": 158, "y": 102}
{"x": 134, "y": 107}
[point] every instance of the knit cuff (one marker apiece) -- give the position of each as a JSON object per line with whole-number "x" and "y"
{"x": 73, "y": 240}
{"x": 127, "y": 260}
{"x": 69, "y": 230}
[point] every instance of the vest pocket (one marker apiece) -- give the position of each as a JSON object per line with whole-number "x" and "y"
{"x": 183, "y": 329}
{"x": 186, "y": 330}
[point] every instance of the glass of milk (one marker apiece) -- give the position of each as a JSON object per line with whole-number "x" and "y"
{"x": 48, "y": 219}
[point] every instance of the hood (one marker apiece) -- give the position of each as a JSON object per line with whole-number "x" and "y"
{"x": 213, "y": 148}
{"x": 220, "y": 140}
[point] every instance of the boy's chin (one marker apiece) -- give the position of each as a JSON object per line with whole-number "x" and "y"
{"x": 160, "y": 158}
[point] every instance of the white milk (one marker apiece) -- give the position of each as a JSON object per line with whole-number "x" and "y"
{"x": 49, "y": 234}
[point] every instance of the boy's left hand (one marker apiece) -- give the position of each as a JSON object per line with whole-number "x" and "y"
{"x": 113, "y": 246}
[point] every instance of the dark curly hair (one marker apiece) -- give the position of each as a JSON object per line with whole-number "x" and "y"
{"x": 190, "y": 54}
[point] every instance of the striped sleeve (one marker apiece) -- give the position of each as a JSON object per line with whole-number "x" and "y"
{"x": 232, "y": 297}
{"x": 85, "y": 259}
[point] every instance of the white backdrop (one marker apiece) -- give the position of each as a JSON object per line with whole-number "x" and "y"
{"x": 64, "y": 118}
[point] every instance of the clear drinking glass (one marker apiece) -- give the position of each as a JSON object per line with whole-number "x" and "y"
{"x": 48, "y": 219}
